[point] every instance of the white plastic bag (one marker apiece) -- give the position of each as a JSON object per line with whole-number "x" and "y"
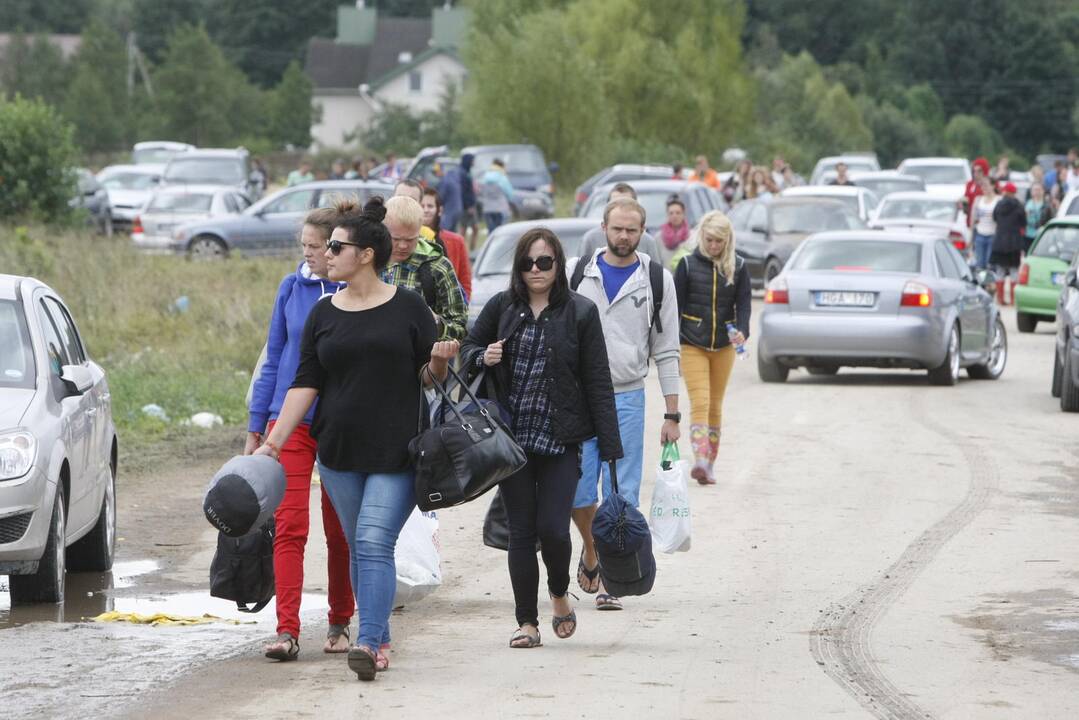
{"x": 417, "y": 556}
{"x": 670, "y": 520}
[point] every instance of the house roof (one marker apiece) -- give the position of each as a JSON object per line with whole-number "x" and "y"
{"x": 334, "y": 65}
{"x": 402, "y": 68}
{"x": 394, "y": 36}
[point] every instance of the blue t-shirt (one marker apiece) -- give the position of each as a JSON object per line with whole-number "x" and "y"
{"x": 615, "y": 277}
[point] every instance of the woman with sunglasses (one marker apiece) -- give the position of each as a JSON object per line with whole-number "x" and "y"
{"x": 297, "y": 294}
{"x": 544, "y": 346}
{"x": 362, "y": 354}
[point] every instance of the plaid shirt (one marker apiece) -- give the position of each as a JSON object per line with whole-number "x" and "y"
{"x": 528, "y": 389}
{"x": 449, "y": 301}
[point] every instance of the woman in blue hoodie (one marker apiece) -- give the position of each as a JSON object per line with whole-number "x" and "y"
{"x": 296, "y": 296}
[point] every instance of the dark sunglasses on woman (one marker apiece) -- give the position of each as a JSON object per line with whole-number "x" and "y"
{"x": 335, "y": 246}
{"x": 543, "y": 262}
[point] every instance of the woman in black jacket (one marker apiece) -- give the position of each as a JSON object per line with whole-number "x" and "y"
{"x": 1011, "y": 220}
{"x": 712, "y": 284}
{"x": 544, "y": 346}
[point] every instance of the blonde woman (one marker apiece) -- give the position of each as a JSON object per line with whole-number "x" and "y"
{"x": 712, "y": 286}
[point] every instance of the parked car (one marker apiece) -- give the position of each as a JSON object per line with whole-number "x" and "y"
{"x": 1042, "y": 274}
{"x": 129, "y": 187}
{"x": 873, "y": 298}
{"x": 1066, "y": 356}
{"x": 494, "y": 264}
{"x": 767, "y": 232}
{"x": 619, "y": 173}
{"x": 212, "y": 167}
{"x": 1069, "y": 204}
{"x": 92, "y": 197}
{"x": 157, "y": 152}
{"x": 924, "y": 211}
{"x": 272, "y": 225}
{"x": 653, "y": 195}
{"x": 170, "y": 207}
{"x": 945, "y": 176}
{"x": 58, "y": 447}
{"x": 854, "y": 163}
{"x": 861, "y": 201}
{"x": 886, "y": 182}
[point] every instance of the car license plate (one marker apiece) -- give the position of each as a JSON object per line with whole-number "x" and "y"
{"x": 533, "y": 202}
{"x": 832, "y": 298}
{"x": 1057, "y": 278}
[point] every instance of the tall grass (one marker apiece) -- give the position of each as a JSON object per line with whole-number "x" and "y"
{"x": 124, "y": 305}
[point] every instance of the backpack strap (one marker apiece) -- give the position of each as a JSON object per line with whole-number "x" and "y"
{"x": 427, "y": 285}
{"x": 655, "y": 277}
{"x": 578, "y": 273}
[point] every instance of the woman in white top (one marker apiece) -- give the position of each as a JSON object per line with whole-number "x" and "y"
{"x": 984, "y": 225}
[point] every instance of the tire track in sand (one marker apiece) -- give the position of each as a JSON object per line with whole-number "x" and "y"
{"x": 841, "y": 640}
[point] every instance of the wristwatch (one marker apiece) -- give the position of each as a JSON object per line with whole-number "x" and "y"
{"x": 677, "y": 416}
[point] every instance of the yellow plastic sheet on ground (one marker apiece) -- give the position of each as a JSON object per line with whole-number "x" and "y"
{"x": 165, "y": 619}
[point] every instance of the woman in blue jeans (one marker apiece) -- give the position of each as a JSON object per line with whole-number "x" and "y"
{"x": 985, "y": 227}
{"x": 362, "y": 354}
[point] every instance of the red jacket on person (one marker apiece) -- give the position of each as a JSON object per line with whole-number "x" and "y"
{"x": 457, "y": 254}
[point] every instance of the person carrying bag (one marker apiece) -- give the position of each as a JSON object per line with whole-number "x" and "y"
{"x": 670, "y": 504}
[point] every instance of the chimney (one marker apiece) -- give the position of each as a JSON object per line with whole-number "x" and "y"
{"x": 356, "y": 24}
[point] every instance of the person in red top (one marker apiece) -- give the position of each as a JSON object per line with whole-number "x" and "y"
{"x": 456, "y": 250}
{"x": 980, "y": 168}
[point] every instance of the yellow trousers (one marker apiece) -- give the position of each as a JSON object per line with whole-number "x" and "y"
{"x": 706, "y": 375}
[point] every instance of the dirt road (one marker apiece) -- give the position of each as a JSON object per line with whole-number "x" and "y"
{"x": 875, "y": 547}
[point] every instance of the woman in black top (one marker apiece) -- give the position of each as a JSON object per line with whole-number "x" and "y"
{"x": 362, "y": 353}
{"x": 712, "y": 284}
{"x": 544, "y": 346}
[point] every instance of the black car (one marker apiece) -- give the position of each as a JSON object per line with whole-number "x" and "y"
{"x": 768, "y": 231}
{"x": 1066, "y": 358}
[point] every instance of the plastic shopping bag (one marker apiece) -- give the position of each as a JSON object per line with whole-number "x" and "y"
{"x": 670, "y": 519}
{"x": 417, "y": 556}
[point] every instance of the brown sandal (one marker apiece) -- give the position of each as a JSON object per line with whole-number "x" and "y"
{"x": 285, "y": 648}
{"x": 531, "y": 640}
{"x": 334, "y": 635}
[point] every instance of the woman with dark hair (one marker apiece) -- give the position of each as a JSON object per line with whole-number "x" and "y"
{"x": 543, "y": 345}
{"x": 363, "y": 353}
{"x": 452, "y": 243}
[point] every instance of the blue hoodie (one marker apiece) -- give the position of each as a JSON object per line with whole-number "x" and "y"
{"x": 296, "y": 296}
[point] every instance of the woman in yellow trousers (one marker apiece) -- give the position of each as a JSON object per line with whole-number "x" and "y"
{"x": 713, "y": 289}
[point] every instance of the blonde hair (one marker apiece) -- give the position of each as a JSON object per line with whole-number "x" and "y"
{"x": 717, "y": 225}
{"x": 404, "y": 211}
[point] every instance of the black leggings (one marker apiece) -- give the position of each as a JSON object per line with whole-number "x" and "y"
{"x": 538, "y": 500}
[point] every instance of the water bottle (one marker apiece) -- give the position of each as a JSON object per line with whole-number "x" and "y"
{"x": 739, "y": 348}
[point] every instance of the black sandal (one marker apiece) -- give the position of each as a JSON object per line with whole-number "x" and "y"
{"x": 363, "y": 661}
{"x": 290, "y": 651}
{"x": 587, "y": 579}
{"x": 521, "y": 634}
{"x": 558, "y": 620}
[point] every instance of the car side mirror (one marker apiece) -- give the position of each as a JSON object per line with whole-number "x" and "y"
{"x": 77, "y": 379}
{"x": 988, "y": 280}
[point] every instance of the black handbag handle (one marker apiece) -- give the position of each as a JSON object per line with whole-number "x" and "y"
{"x": 612, "y": 466}
{"x": 437, "y": 385}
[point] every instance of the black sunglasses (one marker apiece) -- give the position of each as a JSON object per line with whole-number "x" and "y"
{"x": 543, "y": 262}
{"x": 335, "y": 246}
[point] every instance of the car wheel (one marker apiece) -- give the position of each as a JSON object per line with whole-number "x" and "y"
{"x": 1026, "y": 322}
{"x": 94, "y": 552}
{"x": 206, "y": 247}
{"x": 771, "y": 371}
{"x": 823, "y": 370}
{"x": 948, "y": 371}
{"x": 1069, "y": 390}
{"x": 771, "y": 269}
{"x": 993, "y": 367}
{"x": 47, "y": 584}
{"x": 1058, "y": 374}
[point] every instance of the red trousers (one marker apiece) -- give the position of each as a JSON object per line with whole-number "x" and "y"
{"x": 292, "y": 521}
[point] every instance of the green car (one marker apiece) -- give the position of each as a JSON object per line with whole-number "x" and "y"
{"x": 1042, "y": 275}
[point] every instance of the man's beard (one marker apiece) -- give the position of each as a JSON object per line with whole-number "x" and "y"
{"x": 623, "y": 252}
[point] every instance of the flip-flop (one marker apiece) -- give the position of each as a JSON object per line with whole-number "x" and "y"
{"x": 289, "y": 651}
{"x": 362, "y": 661}
{"x": 382, "y": 661}
{"x": 591, "y": 576}
{"x": 608, "y": 602}
{"x": 333, "y": 639}
{"x": 533, "y": 640}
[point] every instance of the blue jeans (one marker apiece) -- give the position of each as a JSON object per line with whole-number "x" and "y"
{"x": 630, "y": 407}
{"x": 372, "y": 508}
{"x": 983, "y": 247}
{"x": 493, "y": 220}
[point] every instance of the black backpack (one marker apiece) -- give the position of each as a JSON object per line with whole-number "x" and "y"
{"x": 242, "y": 569}
{"x": 655, "y": 278}
{"x": 427, "y": 285}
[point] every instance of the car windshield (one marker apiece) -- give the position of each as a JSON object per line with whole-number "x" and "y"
{"x": 886, "y": 187}
{"x": 224, "y": 171}
{"x": 129, "y": 181}
{"x": 654, "y": 203}
{"x": 863, "y": 255}
{"x": 153, "y": 155}
{"x": 1058, "y": 242}
{"x": 938, "y": 174}
{"x": 180, "y": 203}
{"x": 813, "y": 217}
{"x": 853, "y": 165}
{"x": 498, "y": 259}
{"x": 922, "y": 209}
{"x": 851, "y": 201}
{"x": 521, "y": 160}
{"x": 16, "y": 352}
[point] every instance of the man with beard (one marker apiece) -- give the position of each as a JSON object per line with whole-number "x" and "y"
{"x": 639, "y": 313}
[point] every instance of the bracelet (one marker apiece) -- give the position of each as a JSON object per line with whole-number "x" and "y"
{"x": 273, "y": 448}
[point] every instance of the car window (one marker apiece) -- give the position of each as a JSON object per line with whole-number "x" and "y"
{"x": 242, "y": 202}
{"x": 938, "y": 174}
{"x": 229, "y": 201}
{"x": 960, "y": 263}
{"x": 293, "y": 202}
{"x": 54, "y": 346}
{"x": 860, "y": 255}
{"x": 758, "y": 217}
{"x": 72, "y": 343}
{"x": 329, "y": 197}
{"x": 1073, "y": 209}
{"x": 129, "y": 181}
{"x": 498, "y": 256}
{"x": 945, "y": 265}
{"x": 16, "y": 350}
{"x": 851, "y": 201}
{"x": 1057, "y": 242}
{"x": 174, "y": 202}
{"x": 811, "y": 218}
{"x": 523, "y": 160}
{"x": 920, "y": 209}
{"x": 206, "y": 170}
{"x": 887, "y": 186}
{"x": 739, "y": 214}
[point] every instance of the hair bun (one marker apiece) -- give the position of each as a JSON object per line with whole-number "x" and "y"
{"x": 375, "y": 209}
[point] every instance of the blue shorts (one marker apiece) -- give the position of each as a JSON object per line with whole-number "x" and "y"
{"x": 630, "y": 407}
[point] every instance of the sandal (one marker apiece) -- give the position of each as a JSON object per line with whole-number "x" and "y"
{"x": 588, "y": 579}
{"x": 559, "y": 620}
{"x": 608, "y": 602}
{"x": 530, "y": 640}
{"x": 333, "y": 639}
{"x": 362, "y": 661}
{"x": 284, "y": 648}
{"x": 382, "y": 661}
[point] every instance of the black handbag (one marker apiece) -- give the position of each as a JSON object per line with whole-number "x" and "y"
{"x": 496, "y": 528}
{"x": 462, "y": 458}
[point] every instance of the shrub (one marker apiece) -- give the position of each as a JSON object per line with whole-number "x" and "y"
{"x": 37, "y": 155}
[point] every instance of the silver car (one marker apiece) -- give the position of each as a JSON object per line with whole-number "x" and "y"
{"x": 170, "y": 207}
{"x": 880, "y": 299}
{"x": 58, "y": 447}
{"x": 129, "y": 187}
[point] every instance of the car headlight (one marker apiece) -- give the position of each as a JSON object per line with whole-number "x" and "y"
{"x": 17, "y": 451}
{"x": 547, "y": 189}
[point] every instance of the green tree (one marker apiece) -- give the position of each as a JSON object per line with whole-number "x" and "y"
{"x": 97, "y": 101}
{"x": 37, "y": 156}
{"x": 394, "y": 128}
{"x": 45, "y": 16}
{"x": 153, "y": 21}
{"x": 896, "y": 135}
{"x": 34, "y": 69}
{"x": 289, "y": 109}
{"x": 969, "y": 136}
